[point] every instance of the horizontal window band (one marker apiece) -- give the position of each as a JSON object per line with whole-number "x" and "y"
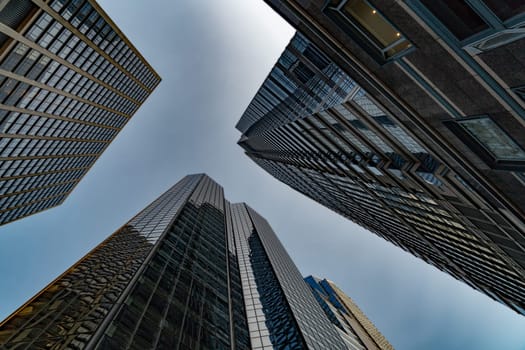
{"x": 38, "y": 188}
{"x": 53, "y": 156}
{"x": 51, "y": 138}
{"x": 36, "y": 201}
{"x": 43, "y": 173}
{"x": 53, "y": 116}
{"x": 42, "y": 86}
{"x": 22, "y": 39}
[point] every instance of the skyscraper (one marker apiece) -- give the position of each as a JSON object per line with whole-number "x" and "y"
{"x": 356, "y": 329}
{"x": 316, "y": 128}
{"x": 190, "y": 271}
{"x": 69, "y": 82}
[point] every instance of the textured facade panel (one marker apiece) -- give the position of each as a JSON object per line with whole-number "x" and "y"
{"x": 190, "y": 271}
{"x": 69, "y": 82}
{"x": 314, "y": 127}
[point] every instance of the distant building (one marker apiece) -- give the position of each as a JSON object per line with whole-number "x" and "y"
{"x": 355, "y": 328}
{"x": 339, "y": 134}
{"x": 69, "y": 82}
{"x": 190, "y": 271}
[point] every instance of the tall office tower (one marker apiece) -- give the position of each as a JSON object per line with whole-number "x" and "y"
{"x": 190, "y": 271}
{"x": 355, "y": 328}
{"x": 371, "y": 159}
{"x": 69, "y": 82}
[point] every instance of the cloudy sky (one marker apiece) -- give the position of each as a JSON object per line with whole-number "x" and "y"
{"x": 213, "y": 56}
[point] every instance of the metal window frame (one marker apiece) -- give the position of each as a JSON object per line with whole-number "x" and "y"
{"x": 363, "y": 37}
{"x": 481, "y": 150}
{"x": 479, "y": 42}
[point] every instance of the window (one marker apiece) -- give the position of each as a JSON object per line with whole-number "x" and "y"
{"x": 493, "y": 138}
{"x": 506, "y": 9}
{"x": 457, "y": 16}
{"x": 363, "y": 22}
{"x": 303, "y": 73}
{"x": 490, "y": 142}
{"x": 478, "y": 25}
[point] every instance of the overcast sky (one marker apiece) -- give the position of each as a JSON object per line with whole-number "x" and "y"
{"x": 213, "y": 55}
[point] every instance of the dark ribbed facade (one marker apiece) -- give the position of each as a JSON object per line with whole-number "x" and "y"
{"x": 328, "y": 132}
{"x": 69, "y": 82}
{"x": 191, "y": 271}
{"x": 355, "y": 328}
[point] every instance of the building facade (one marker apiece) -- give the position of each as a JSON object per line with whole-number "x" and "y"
{"x": 330, "y": 132}
{"x": 356, "y": 329}
{"x": 69, "y": 82}
{"x": 190, "y": 271}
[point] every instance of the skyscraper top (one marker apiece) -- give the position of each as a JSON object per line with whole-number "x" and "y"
{"x": 189, "y": 271}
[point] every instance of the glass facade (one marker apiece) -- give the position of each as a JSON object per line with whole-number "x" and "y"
{"x": 281, "y": 312}
{"x": 190, "y": 271}
{"x": 69, "y": 82}
{"x": 356, "y": 329}
{"x": 327, "y": 137}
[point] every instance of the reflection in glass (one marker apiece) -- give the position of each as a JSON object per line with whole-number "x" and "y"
{"x": 493, "y": 138}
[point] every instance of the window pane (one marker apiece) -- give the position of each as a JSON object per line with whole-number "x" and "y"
{"x": 372, "y": 21}
{"x": 457, "y": 16}
{"x": 506, "y": 9}
{"x": 364, "y": 21}
{"x": 495, "y": 140}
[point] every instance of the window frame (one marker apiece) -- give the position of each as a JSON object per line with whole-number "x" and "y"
{"x": 477, "y": 43}
{"x": 482, "y": 151}
{"x": 333, "y": 9}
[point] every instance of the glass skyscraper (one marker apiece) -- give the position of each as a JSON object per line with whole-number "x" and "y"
{"x": 315, "y": 128}
{"x": 190, "y": 271}
{"x": 69, "y": 82}
{"x": 356, "y": 329}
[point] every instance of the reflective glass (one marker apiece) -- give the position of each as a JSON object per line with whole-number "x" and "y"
{"x": 493, "y": 138}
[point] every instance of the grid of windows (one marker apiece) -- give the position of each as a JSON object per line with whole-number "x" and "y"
{"x": 92, "y": 24}
{"x": 176, "y": 277}
{"x": 68, "y": 311}
{"x": 33, "y": 125}
{"x": 31, "y": 167}
{"x": 357, "y": 159}
{"x": 69, "y": 81}
{"x": 181, "y": 299}
{"x": 23, "y": 184}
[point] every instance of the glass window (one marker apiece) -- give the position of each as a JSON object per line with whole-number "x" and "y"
{"x": 493, "y": 138}
{"x": 457, "y": 16}
{"x": 372, "y": 25}
{"x": 506, "y": 9}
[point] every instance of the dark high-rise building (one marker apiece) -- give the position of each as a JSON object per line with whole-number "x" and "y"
{"x": 343, "y": 137}
{"x": 355, "y": 328}
{"x": 69, "y": 82}
{"x": 190, "y": 271}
